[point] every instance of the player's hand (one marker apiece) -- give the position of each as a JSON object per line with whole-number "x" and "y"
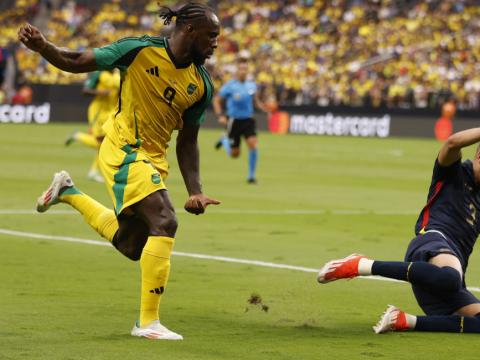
{"x": 31, "y": 37}
{"x": 196, "y": 204}
{"x": 222, "y": 119}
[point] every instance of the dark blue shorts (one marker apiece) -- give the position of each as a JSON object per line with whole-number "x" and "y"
{"x": 423, "y": 248}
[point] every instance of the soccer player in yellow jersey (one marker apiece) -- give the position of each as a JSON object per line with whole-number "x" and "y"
{"x": 164, "y": 87}
{"x": 104, "y": 86}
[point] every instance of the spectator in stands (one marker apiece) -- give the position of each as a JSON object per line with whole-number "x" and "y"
{"x": 339, "y": 52}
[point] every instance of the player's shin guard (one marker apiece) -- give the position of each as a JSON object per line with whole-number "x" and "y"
{"x": 432, "y": 277}
{"x": 100, "y": 218}
{"x": 448, "y": 323}
{"x": 252, "y": 163}
{"x": 155, "y": 266}
{"x": 87, "y": 140}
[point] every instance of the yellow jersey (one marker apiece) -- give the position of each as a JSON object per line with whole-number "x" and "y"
{"x": 103, "y": 105}
{"x": 157, "y": 95}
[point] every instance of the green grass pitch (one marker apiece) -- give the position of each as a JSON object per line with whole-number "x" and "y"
{"x": 318, "y": 198}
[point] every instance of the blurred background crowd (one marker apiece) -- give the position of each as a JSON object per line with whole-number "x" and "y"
{"x": 370, "y": 53}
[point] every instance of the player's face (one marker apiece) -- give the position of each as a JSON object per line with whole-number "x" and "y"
{"x": 242, "y": 71}
{"x": 206, "y": 39}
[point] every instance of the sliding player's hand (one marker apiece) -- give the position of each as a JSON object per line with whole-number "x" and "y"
{"x": 196, "y": 204}
{"x": 31, "y": 37}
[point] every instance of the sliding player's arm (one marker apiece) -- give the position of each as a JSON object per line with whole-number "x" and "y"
{"x": 62, "y": 58}
{"x": 451, "y": 149}
{"x": 189, "y": 162}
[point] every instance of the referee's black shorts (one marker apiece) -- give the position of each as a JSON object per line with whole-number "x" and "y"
{"x": 241, "y": 127}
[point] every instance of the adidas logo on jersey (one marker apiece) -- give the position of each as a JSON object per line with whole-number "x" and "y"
{"x": 153, "y": 71}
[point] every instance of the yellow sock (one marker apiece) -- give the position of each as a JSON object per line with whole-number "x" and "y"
{"x": 87, "y": 139}
{"x": 155, "y": 266}
{"x": 94, "y": 166}
{"x": 100, "y": 218}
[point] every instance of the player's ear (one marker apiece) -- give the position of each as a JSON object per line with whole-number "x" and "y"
{"x": 189, "y": 28}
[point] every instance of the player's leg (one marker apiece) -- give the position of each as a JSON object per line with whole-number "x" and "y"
{"x": 234, "y": 134}
{"x": 224, "y": 140}
{"x": 83, "y": 138}
{"x": 420, "y": 273}
{"x": 252, "y": 158}
{"x": 62, "y": 189}
{"x": 131, "y": 236}
{"x": 428, "y": 265}
{"x": 250, "y": 134}
{"x": 449, "y": 312}
{"x": 157, "y": 211}
{"x": 445, "y": 312}
{"x": 393, "y": 319}
{"x": 94, "y": 171}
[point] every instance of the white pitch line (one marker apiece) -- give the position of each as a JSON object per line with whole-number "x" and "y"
{"x": 241, "y": 212}
{"x": 191, "y": 255}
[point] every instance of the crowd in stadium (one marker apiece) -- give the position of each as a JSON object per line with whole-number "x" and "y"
{"x": 408, "y": 54}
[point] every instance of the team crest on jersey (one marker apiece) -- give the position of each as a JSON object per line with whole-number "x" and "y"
{"x": 191, "y": 88}
{"x": 156, "y": 179}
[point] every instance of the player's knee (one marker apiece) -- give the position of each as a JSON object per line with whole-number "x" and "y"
{"x": 133, "y": 251}
{"x": 170, "y": 225}
{"x": 235, "y": 153}
{"x": 450, "y": 279}
{"x": 166, "y": 225}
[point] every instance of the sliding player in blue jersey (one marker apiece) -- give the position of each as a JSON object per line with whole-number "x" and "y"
{"x": 436, "y": 259}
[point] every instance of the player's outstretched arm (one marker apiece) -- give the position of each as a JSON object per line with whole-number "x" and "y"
{"x": 451, "y": 149}
{"x": 189, "y": 162}
{"x": 64, "y": 59}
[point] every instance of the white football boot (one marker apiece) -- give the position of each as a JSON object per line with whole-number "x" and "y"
{"x": 155, "y": 331}
{"x": 393, "y": 319}
{"x": 50, "y": 196}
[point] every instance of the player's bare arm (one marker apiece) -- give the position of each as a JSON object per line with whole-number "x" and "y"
{"x": 451, "y": 149}
{"x": 188, "y": 161}
{"x": 218, "y": 109}
{"x": 62, "y": 58}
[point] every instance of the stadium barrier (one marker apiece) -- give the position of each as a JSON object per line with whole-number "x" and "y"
{"x": 65, "y": 103}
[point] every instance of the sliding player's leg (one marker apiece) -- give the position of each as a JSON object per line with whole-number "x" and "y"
{"x": 393, "y": 319}
{"x": 431, "y": 265}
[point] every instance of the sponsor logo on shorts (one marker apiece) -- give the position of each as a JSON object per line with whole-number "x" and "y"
{"x": 156, "y": 179}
